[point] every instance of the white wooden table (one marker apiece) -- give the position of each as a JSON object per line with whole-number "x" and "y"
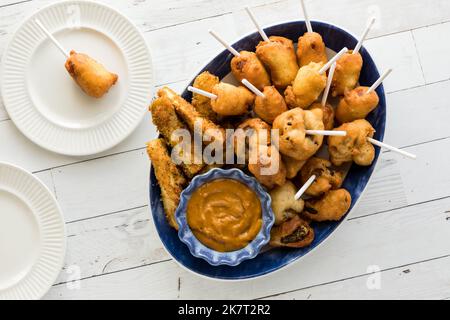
{"x": 401, "y": 227}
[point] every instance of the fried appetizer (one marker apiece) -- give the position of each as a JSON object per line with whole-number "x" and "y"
{"x": 271, "y": 106}
{"x": 346, "y": 75}
{"x": 248, "y": 66}
{"x": 284, "y": 205}
{"x": 293, "y": 166}
{"x": 90, "y": 75}
{"x": 205, "y": 127}
{"x": 326, "y": 178}
{"x": 231, "y": 100}
{"x": 353, "y": 147}
{"x": 170, "y": 178}
{"x": 206, "y": 82}
{"x": 331, "y": 207}
{"x": 328, "y": 114}
{"x": 166, "y": 120}
{"x": 307, "y": 86}
{"x": 256, "y": 132}
{"x": 311, "y": 48}
{"x": 356, "y": 104}
{"x": 268, "y": 168}
{"x": 292, "y": 126}
{"x": 294, "y": 233}
{"x": 278, "y": 55}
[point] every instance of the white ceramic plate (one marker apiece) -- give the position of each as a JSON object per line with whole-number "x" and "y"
{"x": 48, "y": 106}
{"x": 32, "y": 235}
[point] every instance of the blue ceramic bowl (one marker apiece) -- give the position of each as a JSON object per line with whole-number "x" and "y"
{"x": 225, "y": 258}
{"x": 335, "y": 38}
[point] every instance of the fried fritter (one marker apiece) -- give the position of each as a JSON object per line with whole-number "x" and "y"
{"x": 293, "y": 166}
{"x": 284, "y": 205}
{"x": 294, "y": 233}
{"x": 206, "y": 82}
{"x": 170, "y": 178}
{"x": 356, "y": 104}
{"x": 90, "y": 75}
{"x": 248, "y": 66}
{"x": 328, "y": 114}
{"x": 166, "y": 120}
{"x": 256, "y": 132}
{"x": 292, "y": 126}
{"x": 354, "y": 146}
{"x": 278, "y": 55}
{"x": 231, "y": 100}
{"x": 326, "y": 177}
{"x": 307, "y": 86}
{"x": 331, "y": 207}
{"x": 268, "y": 169}
{"x": 271, "y": 106}
{"x": 311, "y": 48}
{"x": 346, "y": 75}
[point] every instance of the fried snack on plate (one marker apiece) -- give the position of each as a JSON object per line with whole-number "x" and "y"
{"x": 206, "y": 82}
{"x": 170, "y": 179}
{"x": 248, "y": 66}
{"x": 294, "y": 233}
{"x": 353, "y": 147}
{"x": 346, "y": 75}
{"x": 307, "y": 86}
{"x": 328, "y": 114}
{"x": 293, "y": 166}
{"x": 356, "y": 104}
{"x": 326, "y": 177}
{"x": 292, "y": 126}
{"x": 311, "y": 48}
{"x": 191, "y": 116}
{"x": 331, "y": 207}
{"x": 166, "y": 120}
{"x": 284, "y": 205}
{"x": 271, "y": 105}
{"x": 231, "y": 100}
{"x": 278, "y": 55}
{"x": 90, "y": 75}
{"x": 256, "y": 131}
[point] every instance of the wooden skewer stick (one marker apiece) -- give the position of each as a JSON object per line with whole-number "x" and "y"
{"x": 305, "y": 187}
{"x": 255, "y": 22}
{"x": 386, "y": 146}
{"x": 333, "y": 60}
{"x": 52, "y": 38}
{"x": 202, "y": 93}
{"x": 224, "y": 43}
{"x": 379, "y": 81}
{"x": 252, "y": 88}
{"x": 363, "y": 36}
{"x": 305, "y": 13}
{"x": 328, "y": 87}
{"x": 326, "y": 133}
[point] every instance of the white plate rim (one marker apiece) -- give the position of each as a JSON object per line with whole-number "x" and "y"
{"x": 130, "y": 129}
{"x": 45, "y": 191}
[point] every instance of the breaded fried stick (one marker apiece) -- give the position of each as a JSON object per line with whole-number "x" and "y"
{"x": 231, "y": 100}
{"x": 248, "y": 66}
{"x": 206, "y": 82}
{"x": 166, "y": 120}
{"x": 278, "y": 55}
{"x": 170, "y": 178}
{"x": 356, "y": 104}
{"x": 346, "y": 75}
{"x": 311, "y": 48}
{"x": 271, "y": 105}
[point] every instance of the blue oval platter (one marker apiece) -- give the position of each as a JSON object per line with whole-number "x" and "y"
{"x": 335, "y": 39}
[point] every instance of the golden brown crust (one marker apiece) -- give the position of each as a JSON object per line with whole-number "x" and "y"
{"x": 271, "y": 106}
{"x": 284, "y": 205}
{"x": 307, "y": 86}
{"x": 311, "y": 48}
{"x": 326, "y": 177}
{"x": 248, "y": 66}
{"x": 90, "y": 75}
{"x": 294, "y": 233}
{"x": 331, "y": 207}
{"x": 356, "y": 104}
{"x": 269, "y": 169}
{"x": 292, "y": 126}
{"x": 206, "y": 82}
{"x": 231, "y": 100}
{"x": 279, "y": 57}
{"x": 346, "y": 75}
{"x": 354, "y": 146}
{"x": 328, "y": 114}
{"x": 170, "y": 178}
{"x": 293, "y": 166}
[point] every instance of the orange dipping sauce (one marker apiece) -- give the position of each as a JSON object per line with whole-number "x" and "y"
{"x": 225, "y": 215}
